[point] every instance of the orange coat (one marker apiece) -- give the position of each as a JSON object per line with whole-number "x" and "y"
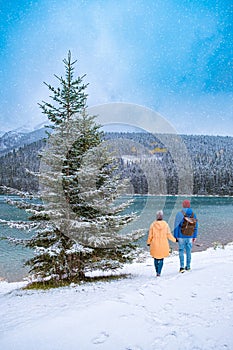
{"x": 159, "y": 233}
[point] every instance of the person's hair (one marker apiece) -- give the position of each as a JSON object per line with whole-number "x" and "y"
{"x": 159, "y": 215}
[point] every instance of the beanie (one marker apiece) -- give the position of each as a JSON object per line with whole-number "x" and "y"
{"x": 159, "y": 215}
{"x": 186, "y": 203}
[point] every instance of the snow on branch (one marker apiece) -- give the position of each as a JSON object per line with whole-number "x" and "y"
{"x": 14, "y": 191}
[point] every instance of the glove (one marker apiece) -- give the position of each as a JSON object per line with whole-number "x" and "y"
{"x": 148, "y": 245}
{"x": 177, "y": 240}
{"x": 194, "y": 240}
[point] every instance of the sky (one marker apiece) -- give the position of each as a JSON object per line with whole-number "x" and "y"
{"x": 190, "y": 311}
{"x": 171, "y": 56}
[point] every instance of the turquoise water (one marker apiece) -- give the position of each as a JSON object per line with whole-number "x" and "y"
{"x": 214, "y": 216}
{"x": 12, "y": 257}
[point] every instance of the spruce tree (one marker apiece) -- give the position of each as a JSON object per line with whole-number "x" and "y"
{"x": 76, "y": 225}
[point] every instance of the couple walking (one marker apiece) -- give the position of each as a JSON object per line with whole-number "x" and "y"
{"x": 185, "y": 233}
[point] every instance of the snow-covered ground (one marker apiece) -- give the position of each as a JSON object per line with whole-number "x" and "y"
{"x": 176, "y": 311}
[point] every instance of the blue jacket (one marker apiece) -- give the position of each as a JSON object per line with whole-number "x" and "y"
{"x": 178, "y": 223}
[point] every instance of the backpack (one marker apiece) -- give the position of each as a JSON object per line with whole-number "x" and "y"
{"x": 188, "y": 224}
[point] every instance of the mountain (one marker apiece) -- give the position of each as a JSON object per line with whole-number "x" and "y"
{"x": 20, "y": 137}
{"x": 27, "y": 134}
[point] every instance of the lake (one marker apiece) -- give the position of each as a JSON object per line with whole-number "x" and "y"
{"x": 214, "y": 216}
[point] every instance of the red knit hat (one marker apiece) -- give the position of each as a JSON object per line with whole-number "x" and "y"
{"x": 186, "y": 203}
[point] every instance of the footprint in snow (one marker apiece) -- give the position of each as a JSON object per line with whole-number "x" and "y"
{"x": 101, "y": 338}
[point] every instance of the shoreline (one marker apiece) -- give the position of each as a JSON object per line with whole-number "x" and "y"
{"x": 23, "y": 282}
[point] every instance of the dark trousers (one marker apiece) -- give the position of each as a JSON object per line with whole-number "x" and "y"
{"x": 158, "y": 265}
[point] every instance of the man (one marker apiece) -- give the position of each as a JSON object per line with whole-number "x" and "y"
{"x": 185, "y": 232}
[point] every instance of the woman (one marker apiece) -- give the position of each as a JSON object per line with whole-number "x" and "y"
{"x": 159, "y": 233}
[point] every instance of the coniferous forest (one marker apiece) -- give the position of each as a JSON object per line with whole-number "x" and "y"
{"x": 145, "y": 161}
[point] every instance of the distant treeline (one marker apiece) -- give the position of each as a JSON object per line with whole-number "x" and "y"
{"x": 149, "y": 161}
{"x": 15, "y": 167}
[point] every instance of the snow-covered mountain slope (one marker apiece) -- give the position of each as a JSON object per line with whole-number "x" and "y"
{"x": 20, "y": 137}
